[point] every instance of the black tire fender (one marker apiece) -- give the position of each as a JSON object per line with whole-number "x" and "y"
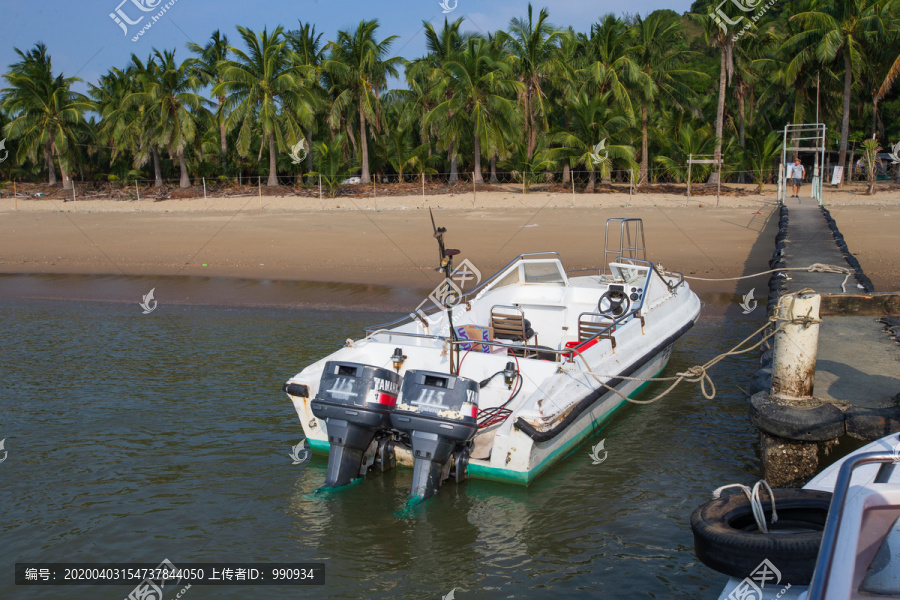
{"x": 819, "y": 424}
{"x": 726, "y": 537}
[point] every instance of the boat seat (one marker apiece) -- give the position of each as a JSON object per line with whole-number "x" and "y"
{"x": 591, "y": 324}
{"x": 509, "y": 323}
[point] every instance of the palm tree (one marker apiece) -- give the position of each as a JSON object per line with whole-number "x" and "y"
{"x": 171, "y": 102}
{"x": 659, "y": 53}
{"x": 761, "y": 155}
{"x": 839, "y": 31}
{"x": 359, "y": 67}
{"x": 479, "y": 83}
{"x": 676, "y": 146}
{"x": 608, "y": 59}
{"x": 526, "y": 167}
{"x": 255, "y": 84}
{"x": 309, "y": 53}
{"x": 591, "y": 121}
{"x": 331, "y": 164}
{"x": 210, "y": 61}
{"x": 45, "y": 112}
{"x": 139, "y": 119}
{"x": 533, "y": 46}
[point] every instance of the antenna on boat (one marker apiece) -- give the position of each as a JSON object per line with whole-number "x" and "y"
{"x": 449, "y": 289}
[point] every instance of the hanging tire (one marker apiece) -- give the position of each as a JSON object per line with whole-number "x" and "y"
{"x": 726, "y": 537}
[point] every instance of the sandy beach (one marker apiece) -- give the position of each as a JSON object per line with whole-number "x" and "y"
{"x": 388, "y": 241}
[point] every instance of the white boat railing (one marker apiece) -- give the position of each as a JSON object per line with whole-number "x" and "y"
{"x": 462, "y": 298}
{"x": 819, "y": 584}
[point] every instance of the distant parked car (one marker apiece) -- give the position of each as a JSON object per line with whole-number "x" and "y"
{"x": 351, "y": 180}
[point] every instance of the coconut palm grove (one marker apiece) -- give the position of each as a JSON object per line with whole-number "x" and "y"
{"x": 289, "y": 105}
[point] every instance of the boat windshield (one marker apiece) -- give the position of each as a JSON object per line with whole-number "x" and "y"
{"x": 542, "y": 272}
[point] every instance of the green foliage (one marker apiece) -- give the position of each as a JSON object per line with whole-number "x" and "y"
{"x": 532, "y": 98}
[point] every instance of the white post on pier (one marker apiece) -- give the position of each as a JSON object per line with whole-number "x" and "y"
{"x": 796, "y": 346}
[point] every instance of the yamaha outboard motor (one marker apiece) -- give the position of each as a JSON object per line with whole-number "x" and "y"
{"x": 355, "y": 401}
{"x": 438, "y": 411}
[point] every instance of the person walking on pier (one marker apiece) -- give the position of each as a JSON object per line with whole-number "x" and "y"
{"x": 797, "y": 172}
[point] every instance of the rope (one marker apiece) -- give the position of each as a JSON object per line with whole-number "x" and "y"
{"x": 698, "y": 373}
{"x": 813, "y": 268}
{"x": 755, "y": 503}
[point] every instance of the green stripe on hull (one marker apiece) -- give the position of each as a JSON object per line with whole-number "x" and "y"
{"x": 318, "y": 446}
{"x": 476, "y": 471}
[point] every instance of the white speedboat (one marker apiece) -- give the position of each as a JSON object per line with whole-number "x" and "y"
{"x": 859, "y": 553}
{"x": 499, "y": 383}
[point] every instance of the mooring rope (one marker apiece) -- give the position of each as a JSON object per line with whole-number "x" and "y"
{"x": 755, "y": 502}
{"x": 813, "y": 268}
{"x": 698, "y": 373}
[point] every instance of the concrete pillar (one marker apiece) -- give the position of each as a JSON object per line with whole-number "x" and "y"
{"x": 796, "y": 346}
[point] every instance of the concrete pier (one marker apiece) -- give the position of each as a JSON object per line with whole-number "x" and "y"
{"x": 854, "y": 388}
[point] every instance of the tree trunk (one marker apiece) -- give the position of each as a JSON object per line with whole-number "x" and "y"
{"x": 185, "y": 180}
{"x": 742, "y": 130}
{"x": 478, "y": 177}
{"x": 567, "y": 172}
{"x": 592, "y": 182}
{"x": 645, "y": 158}
{"x": 67, "y": 181}
{"x": 157, "y": 170}
{"x": 454, "y": 174}
{"x": 845, "y": 118}
{"x": 494, "y": 179}
{"x": 223, "y": 140}
{"x": 720, "y": 111}
{"x": 363, "y": 145}
{"x": 309, "y": 155}
{"x": 48, "y": 158}
{"x": 532, "y": 134}
{"x": 273, "y": 167}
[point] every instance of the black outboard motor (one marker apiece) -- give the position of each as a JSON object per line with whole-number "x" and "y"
{"x": 356, "y": 402}
{"x": 438, "y": 411}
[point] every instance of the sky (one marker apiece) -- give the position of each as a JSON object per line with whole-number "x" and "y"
{"x": 84, "y": 41}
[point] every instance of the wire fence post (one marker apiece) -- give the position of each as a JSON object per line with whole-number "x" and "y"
{"x": 474, "y": 190}
{"x": 259, "y": 187}
{"x": 320, "y": 186}
{"x": 16, "y": 194}
{"x": 423, "y": 187}
{"x": 630, "y": 182}
{"x": 374, "y": 193}
{"x": 74, "y": 199}
{"x": 573, "y": 184}
{"x": 204, "y": 191}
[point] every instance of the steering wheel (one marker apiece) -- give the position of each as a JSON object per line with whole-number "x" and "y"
{"x": 613, "y": 303}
